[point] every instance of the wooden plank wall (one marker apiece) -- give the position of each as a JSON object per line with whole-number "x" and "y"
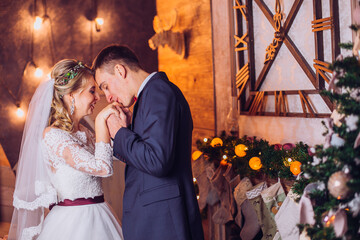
{"x": 193, "y": 74}
{"x": 7, "y": 186}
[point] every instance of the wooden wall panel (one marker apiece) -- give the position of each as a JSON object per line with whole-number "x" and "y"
{"x": 193, "y": 74}
{"x": 7, "y": 186}
{"x": 125, "y": 22}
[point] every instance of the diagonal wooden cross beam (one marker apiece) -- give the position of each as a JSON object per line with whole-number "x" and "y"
{"x": 290, "y": 45}
{"x": 288, "y": 42}
{"x": 305, "y": 102}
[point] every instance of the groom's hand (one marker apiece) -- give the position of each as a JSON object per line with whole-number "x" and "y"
{"x": 114, "y": 124}
{"x": 128, "y": 114}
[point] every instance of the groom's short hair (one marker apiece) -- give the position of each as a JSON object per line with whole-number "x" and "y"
{"x": 114, "y": 54}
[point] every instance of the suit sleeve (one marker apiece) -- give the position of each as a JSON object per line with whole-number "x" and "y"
{"x": 152, "y": 150}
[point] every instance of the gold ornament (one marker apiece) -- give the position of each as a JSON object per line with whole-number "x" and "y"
{"x": 255, "y": 163}
{"x": 337, "y": 185}
{"x": 295, "y": 167}
{"x": 240, "y": 150}
{"x": 216, "y": 142}
{"x": 287, "y": 162}
{"x": 196, "y": 155}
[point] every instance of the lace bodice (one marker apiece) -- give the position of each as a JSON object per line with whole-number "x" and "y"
{"x": 77, "y": 163}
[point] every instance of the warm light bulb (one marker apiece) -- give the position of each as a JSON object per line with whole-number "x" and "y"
{"x": 194, "y": 179}
{"x": 99, "y": 21}
{"x": 38, "y": 72}
{"x": 37, "y": 23}
{"x": 205, "y": 139}
{"x": 224, "y": 157}
{"x": 197, "y": 197}
{"x": 19, "y": 112}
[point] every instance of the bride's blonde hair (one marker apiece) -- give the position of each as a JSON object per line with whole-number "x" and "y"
{"x": 69, "y": 75}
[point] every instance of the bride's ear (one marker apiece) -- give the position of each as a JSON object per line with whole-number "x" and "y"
{"x": 120, "y": 70}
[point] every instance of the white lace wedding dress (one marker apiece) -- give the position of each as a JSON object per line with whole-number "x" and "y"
{"x": 77, "y": 164}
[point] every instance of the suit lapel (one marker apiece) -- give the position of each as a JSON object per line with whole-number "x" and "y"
{"x": 139, "y": 99}
{"x": 134, "y": 114}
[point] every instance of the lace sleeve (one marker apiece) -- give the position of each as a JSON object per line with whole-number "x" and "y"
{"x": 63, "y": 148}
{"x": 90, "y": 135}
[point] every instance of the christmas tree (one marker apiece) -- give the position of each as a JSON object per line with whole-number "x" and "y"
{"x": 330, "y": 181}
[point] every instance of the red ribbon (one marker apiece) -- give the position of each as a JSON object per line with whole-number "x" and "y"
{"x": 80, "y": 201}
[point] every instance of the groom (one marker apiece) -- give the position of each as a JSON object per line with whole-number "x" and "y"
{"x": 159, "y": 198}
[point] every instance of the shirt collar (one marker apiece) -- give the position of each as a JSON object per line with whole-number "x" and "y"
{"x": 144, "y": 83}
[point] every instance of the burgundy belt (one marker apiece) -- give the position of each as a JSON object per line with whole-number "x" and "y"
{"x": 80, "y": 201}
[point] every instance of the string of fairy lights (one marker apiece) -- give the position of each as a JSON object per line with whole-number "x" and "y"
{"x": 38, "y": 72}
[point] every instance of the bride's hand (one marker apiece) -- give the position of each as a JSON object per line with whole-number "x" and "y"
{"x": 108, "y": 110}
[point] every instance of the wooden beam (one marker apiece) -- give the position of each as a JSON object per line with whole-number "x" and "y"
{"x": 289, "y": 92}
{"x": 319, "y": 42}
{"x": 292, "y": 14}
{"x": 280, "y": 103}
{"x": 335, "y": 30}
{"x": 251, "y": 50}
{"x": 290, "y": 114}
{"x": 240, "y": 55}
{"x": 305, "y": 101}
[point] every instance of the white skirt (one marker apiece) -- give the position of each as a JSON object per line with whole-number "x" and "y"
{"x": 85, "y": 222}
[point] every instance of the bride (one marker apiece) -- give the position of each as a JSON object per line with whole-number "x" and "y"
{"x": 61, "y": 162}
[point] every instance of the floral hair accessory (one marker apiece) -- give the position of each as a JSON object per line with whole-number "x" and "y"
{"x": 69, "y": 75}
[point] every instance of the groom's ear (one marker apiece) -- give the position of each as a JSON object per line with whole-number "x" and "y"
{"x": 120, "y": 70}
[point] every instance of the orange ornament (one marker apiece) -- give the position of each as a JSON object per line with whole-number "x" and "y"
{"x": 216, "y": 142}
{"x": 196, "y": 155}
{"x": 295, "y": 167}
{"x": 240, "y": 150}
{"x": 255, "y": 163}
{"x": 223, "y": 162}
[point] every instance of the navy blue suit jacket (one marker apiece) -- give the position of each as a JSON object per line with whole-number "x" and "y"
{"x": 159, "y": 198}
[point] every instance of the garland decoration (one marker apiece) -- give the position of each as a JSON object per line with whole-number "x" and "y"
{"x": 252, "y": 157}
